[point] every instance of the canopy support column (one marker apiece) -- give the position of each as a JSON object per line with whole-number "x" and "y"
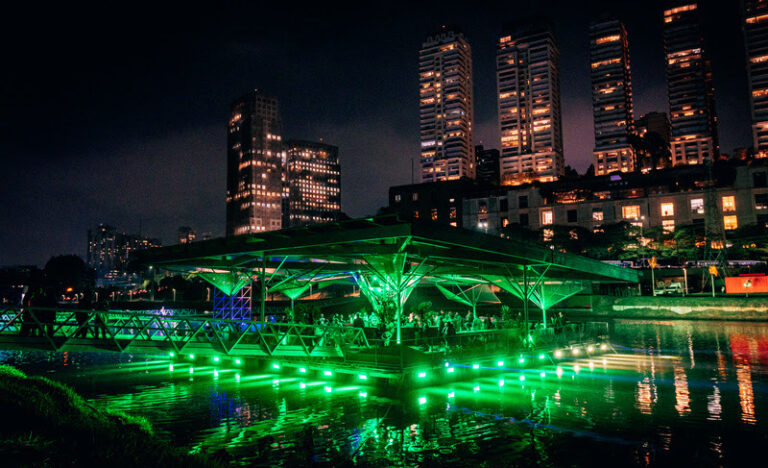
{"x": 263, "y": 288}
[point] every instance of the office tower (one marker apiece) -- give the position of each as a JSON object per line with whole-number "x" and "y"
{"x": 446, "y": 111}
{"x": 255, "y": 165}
{"x": 611, "y": 96}
{"x": 528, "y": 83}
{"x": 654, "y": 122}
{"x": 689, "y": 87}
{"x": 314, "y": 181}
{"x": 756, "y": 42}
{"x": 487, "y": 165}
{"x": 104, "y": 253}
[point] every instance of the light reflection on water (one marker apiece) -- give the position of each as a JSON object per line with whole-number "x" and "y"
{"x": 674, "y": 393}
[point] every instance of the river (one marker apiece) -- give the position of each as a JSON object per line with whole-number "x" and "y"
{"x": 670, "y": 393}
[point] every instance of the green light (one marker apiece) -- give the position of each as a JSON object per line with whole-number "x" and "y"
{"x": 327, "y": 373}
{"x": 422, "y": 400}
{"x": 450, "y": 370}
{"x": 171, "y": 354}
{"x": 447, "y": 364}
{"x": 475, "y": 366}
{"x": 328, "y": 389}
{"x": 576, "y": 368}
{"x": 521, "y": 360}
{"x": 362, "y": 377}
{"x": 522, "y": 378}
{"x": 191, "y": 370}
{"x": 451, "y": 395}
{"x": 276, "y": 382}
{"x": 591, "y": 365}
{"x": 191, "y": 356}
{"x": 215, "y": 374}
{"x": 558, "y": 353}
{"x": 559, "y": 372}
{"x": 302, "y": 385}
{"x": 422, "y": 375}
{"x": 276, "y": 366}
{"x": 170, "y": 368}
{"x": 543, "y": 374}
{"x": 501, "y": 383}
{"x": 362, "y": 394}
{"x": 302, "y": 370}
{"x": 237, "y": 377}
{"x": 541, "y": 356}
{"x": 476, "y": 389}
{"x": 237, "y": 361}
{"x": 216, "y": 359}
{"x": 500, "y": 363}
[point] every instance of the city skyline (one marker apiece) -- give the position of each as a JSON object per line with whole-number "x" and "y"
{"x": 375, "y": 126}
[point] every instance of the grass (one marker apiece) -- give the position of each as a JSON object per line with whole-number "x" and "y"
{"x": 45, "y": 423}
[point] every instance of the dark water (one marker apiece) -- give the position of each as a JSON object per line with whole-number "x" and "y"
{"x": 673, "y": 393}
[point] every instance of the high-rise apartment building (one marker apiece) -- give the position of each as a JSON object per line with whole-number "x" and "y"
{"x": 689, "y": 86}
{"x": 487, "y": 165}
{"x": 611, "y": 96}
{"x": 756, "y": 42}
{"x": 314, "y": 180}
{"x": 109, "y": 253}
{"x": 528, "y": 84}
{"x": 446, "y": 106}
{"x": 256, "y": 182}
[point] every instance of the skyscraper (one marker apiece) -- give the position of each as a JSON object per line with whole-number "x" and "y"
{"x": 689, "y": 87}
{"x": 446, "y": 109}
{"x": 314, "y": 181}
{"x": 611, "y": 96}
{"x": 528, "y": 83}
{"x": 487, "y": 165}
{"x": 255, "y": 165}
{"x": 756, "y": 41}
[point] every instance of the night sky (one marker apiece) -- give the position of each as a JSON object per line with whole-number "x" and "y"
{"x": 116, "y": 112}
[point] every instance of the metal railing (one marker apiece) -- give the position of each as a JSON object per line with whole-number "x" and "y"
{"x": 135, "y": 331}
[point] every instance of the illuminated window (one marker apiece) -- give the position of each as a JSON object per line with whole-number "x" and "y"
{"x": 416, "y": 214}
{"x": 597, "y": 214}
{"x": 398, "y": 197}
{"x": 547, "y": 217}
{"x": 415, "y": 196}
{"x": 697, "y": 205}
{"x": 547, "y": 234}
{"x": 630, "y": 211}
{"x": 667, "y": 209}
{"x": 730, "y": 222}
{"x": 433, "y": 214}
{"x": 452, "y": 212}
{"x": 668, "y": 225}
{"x": 504, "y": 221}
{"x": 482, "y": 225}
{"x": 729, "y": 203}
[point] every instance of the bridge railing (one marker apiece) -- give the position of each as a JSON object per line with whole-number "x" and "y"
{"x": 124, "y": 330}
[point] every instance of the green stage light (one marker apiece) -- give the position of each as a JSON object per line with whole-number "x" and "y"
{"x": 362, "y": 377}
{"x": 543, "y": 374}
{"x": 302, "y": 370}
{"x": 447, "y": 364}
{"x": 170, "y": 368}
{"x": 522, "y": 378}
{"x": 422, "y": 375}
{"x": 475, "y": 366}
{"x": 215, "y": 374}
{"x": 276, "y": 366}
{"x": 191, "y": 370}
{"x": 541, "y": 356}
{"x": 327, "y": 373}
{"x": 191, "y": 356}
{"x": 276, "y": 382}
{"x": 237, "y": 377}
{"x": 171, "y": 354}
{"x": 521, "y": 360}
{"x": 215, "y": 359}
{"x": 328, "y": 389}
{"x": 501, "y": 383}
{"x": 362, "y": 394}
{"x": 500, "y": 363}
{"x": 476, "y": 389}
{"x": 451, "y": 395}
{"x": 422, "y": 400}
{"x": 450, "y": 370}
{"x": 237, "y": 361}
{"x": 302, "y": 385}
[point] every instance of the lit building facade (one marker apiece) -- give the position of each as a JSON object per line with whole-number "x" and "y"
{"x": 611, "y": 97}
{"x": 668, "y": 199}
{"x": 689, "y": 87}
{"x": 109, "y": 253}
{"x": 756, "y": 42}
{"x": 314, "y": 181}
{"x": 446, "y": 107}
{"x": 528, "y": 85}
{"x": 256, "y": 181}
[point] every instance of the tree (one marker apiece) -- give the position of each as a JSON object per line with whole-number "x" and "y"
{"x": 68, "y": 271}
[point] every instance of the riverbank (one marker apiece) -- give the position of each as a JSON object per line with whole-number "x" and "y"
{"x": 45, "y": 423}
{"x": 671, "y": 307}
